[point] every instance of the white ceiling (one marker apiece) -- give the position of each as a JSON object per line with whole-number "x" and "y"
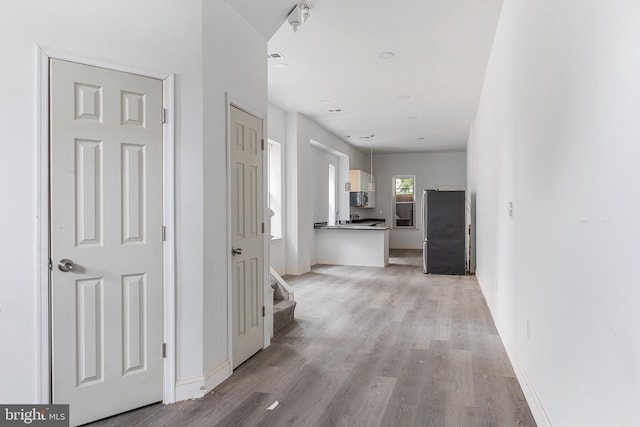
{"x": 333, "y": 62}
{"x": 266, "y": 16}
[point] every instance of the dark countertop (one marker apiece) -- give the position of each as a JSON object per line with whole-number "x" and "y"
{"x": 359, "y": 224}
{"x": 353, "y": 227}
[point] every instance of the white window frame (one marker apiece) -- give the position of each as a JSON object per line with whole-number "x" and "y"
{"x": 394, "y": 203}
{"x": 275, "y": 178}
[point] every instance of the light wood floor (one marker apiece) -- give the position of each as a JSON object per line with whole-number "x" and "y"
{"x": 370, "y": 346}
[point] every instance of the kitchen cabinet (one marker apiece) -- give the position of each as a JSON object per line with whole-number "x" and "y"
{"x": 361, "y": 181}
{"x": 364, "y": 182}
{"x": 353, "y": 245}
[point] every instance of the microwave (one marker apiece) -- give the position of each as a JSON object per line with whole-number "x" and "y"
{"x": 358, "y": 199}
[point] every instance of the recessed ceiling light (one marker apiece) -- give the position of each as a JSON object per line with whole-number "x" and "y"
{"x": 422, "y": 137}
{"x": 281, "y": 65}
{"x": 403, "y": 97}
{"x": 413, "y": 118}
{"x": 275, "y": 55}
{"x": 334, "y": 110}
{"x": 387, "y": 55}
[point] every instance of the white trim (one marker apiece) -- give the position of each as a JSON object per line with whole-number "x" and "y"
{"x": 537, "y": 410}
{"x": 229, "y": 238}
{"x": 530, "y": 395}
{"x": 44, "y": 346}
{"x": 195, "y": 388}
{"x": 44, "y": 54}
{"x": 267, "y": 296}
{"x": 282, "y": 283}
{"x": 169, "y": 249}
{"x": 102, "y": 63}
{"x": 393, "y": 202}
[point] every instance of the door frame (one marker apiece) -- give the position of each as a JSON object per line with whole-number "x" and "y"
{"x": 232, "y": 101}
{"x": 45, "y": 368}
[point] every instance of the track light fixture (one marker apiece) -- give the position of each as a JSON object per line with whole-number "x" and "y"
{"x": 298, "y": 15}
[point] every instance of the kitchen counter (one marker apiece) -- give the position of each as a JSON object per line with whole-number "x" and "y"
{"x": 354, "y": 227}
{"x": 359, "y": 224}
{"x": 347, "y": 244}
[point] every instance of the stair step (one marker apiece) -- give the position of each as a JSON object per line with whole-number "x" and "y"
{"x": 283, "y": 313}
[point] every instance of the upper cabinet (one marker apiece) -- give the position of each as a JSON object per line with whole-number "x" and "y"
{"x": 361, "y": 181}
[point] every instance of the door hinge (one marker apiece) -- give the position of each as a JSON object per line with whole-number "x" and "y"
{"x": 164, "y": 233}
{"x": 50, "y": 264}
{"x": 262, "y": 145}
{"x": 263, "y": 311}
{"x": 164, "y": 350}
{"x": 164, "y": 116}
{"x": 263, "y": 228}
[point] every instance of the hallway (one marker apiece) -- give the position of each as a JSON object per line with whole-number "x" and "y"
{"x": 370, "y": 346}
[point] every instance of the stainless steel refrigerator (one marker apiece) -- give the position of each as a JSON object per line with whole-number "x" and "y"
{"x": 443, "y": 240}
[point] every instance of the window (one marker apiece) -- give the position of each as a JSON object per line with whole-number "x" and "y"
{"x": 404, "y": 201}
{"x": 275, "y": 188}
{"x": 332, "y": 195}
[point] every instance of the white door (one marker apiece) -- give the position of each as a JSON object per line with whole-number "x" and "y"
{"x": 246, "y": 235}
{"x": 106, "y": 222}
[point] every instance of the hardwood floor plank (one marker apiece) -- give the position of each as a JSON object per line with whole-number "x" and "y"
{"x": 432, "y": 405}
{"x": 250, "y": 408}
{"x": 369, "y": 346}
{"x": 401, "y": 409}
{"x": 376, "y": 396}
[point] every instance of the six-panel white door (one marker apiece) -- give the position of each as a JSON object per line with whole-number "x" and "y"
{"x": 106, "y": 221}
{"x": 246, "y": 234}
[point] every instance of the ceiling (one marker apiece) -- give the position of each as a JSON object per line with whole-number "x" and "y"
{"x": 421, "y": 99}
{"x": 266, "y": 16}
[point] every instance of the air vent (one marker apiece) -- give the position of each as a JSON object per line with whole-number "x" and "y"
{"x": 275, "y": 55}
{"x": 334, "y": 110}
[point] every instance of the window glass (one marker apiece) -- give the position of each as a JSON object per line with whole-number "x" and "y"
{"x": 275, "y": 188}
{"x": 404, "y": 201}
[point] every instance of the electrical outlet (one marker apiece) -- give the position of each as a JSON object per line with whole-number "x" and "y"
{"x": 511, "y": 209}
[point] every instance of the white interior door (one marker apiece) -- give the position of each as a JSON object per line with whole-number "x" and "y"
{"x": 246, "y": 234}
{"x": 106, "y": 222}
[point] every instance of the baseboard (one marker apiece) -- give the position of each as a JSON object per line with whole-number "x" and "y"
{"x": 530, "y": 395}
{"x": 537, "y": 410}
{"x": 305, "y": 269}
{"x": 300, "y": 270}
{"x": 195, "y": 388}
{"x": 216, "y": 375}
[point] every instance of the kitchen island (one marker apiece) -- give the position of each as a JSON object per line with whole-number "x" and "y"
{"x": 353, "y": 244}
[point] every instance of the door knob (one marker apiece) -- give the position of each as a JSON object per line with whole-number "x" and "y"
{"x": 236, "y": 251}
{"x": 65, "y": 265}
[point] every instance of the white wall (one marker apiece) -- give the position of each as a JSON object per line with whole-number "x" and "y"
{"x": 158, "y": 35}
{"x": 277, "y": 132}
{"x": 300, "y": 160}
{"x": 239, "y": 70}
{"x": 320, "y": 183}
{"x": 432, "y": 170}
{"x": 319, "y": 192}
{"x": 557, "y": 134}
